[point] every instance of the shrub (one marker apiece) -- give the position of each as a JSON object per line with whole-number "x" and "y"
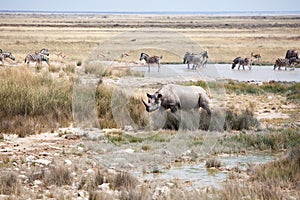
{"x": 79, "y": 63}
{"x": 9, "y": 183}
{"x": 58, "y": 176}
{"x": 213, "y": 163}
{"x": 124, "y": 181}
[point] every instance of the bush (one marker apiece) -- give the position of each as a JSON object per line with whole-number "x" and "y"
{"x": 124, "y": 181}
{"x": 9, "y": 183}
{"x": 58, "y": 176}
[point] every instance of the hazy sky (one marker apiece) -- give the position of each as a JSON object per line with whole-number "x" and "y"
{"x": 152, "y": 5}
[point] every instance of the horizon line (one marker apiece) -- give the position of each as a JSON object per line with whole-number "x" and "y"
{"x": 154, "y": 12}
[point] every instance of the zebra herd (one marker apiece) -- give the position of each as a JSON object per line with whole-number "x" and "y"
{"x": 290, "y": 61}
{"x": 198, "y": 60}
{"x": 38, "y": 57}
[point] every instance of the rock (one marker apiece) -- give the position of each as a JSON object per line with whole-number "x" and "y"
{"x": 186, "y": 153}
{"x": 167, "y": 152}
{"x": 44, "y": 154}
{"x": 72, "y": 137}
{"x": 42, "y": 161}
{"x": 29, "y": 158}
{"x": 68, "y": 162}
{"x": 126, "y": 151}
{"x": 160, "y": 192}
{"x": 104, "y": 187}
{"x": 90, "y": 171}
{"x": 128, "y": 128}
{"x": 37, "y": 182}
{"x": 128, "y": 165}
{"x": 23, "y": 177}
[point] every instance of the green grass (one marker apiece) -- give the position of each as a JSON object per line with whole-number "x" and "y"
{"x": 274, "y": 140}
{"x": 231, "y": 86}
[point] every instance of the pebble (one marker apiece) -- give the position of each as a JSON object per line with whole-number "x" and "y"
{"x": 90, "y": 171}
{"x": 68, "y": 162}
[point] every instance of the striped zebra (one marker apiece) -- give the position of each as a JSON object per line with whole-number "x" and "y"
{"x": 243, "y": 62}
{"x": 38, "y": 57}
{"x": 291, "y": 53}
{"x": 5, "y": 55}
{"x": 196, "y": 59}
{"x": 283, "y": 62}
{"x": 150, "y": 60}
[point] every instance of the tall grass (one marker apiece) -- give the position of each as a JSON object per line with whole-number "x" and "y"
{"x": 35, "y": 98}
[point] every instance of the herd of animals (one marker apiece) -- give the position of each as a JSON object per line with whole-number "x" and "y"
{"x": 200, "y": 60}
{"x": 196, "y": 59}
{"x": 38, "y": 56}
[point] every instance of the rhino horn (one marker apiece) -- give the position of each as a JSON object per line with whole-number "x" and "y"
{"x": 146, "y": 105}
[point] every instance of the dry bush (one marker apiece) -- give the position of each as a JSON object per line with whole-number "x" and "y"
{"x": 58, "y": 175}
{"x": 9, "y": 183}
{"x": 212, "y": 163}
{"x": 103, "y": 103}
{"x": 124, "y": 181}
{"x": 105, "y": 111}
{"x": 92, "y": 183}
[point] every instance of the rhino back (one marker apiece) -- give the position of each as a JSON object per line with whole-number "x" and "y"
{"x": 186, "y": 96}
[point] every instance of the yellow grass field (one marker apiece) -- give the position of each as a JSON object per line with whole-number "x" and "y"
{"x": 79, "y": 35}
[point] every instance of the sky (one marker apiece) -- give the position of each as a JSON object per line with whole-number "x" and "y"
{"x": 151, "y": 5}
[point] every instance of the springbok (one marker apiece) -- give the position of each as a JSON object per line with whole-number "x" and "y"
{"x": 150, "y": 60}
{"x": 256, "y": 57}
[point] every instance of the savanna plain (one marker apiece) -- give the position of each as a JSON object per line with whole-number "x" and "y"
{"x": 77, "y": 128}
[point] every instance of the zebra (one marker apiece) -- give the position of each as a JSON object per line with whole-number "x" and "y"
{"x": 283, "y": 62}
{"x": 5, "y": 55}
{"x": 291, "y": 53}
{"x": 196, "y": 59}
{"x": 44, "y": 52}
{"x": 149, "y": 60}
{"x": 38, "y": 57}
{"x": 243, "y": 62}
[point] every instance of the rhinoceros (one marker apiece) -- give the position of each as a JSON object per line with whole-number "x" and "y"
{"x": 176, "y": 97}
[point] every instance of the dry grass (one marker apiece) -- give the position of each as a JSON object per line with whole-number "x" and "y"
{"x": 9, "y": 183}
{"x": 31, "y": 102}
{"x": 58, "y": 175}
{"x": 78, "y": 37}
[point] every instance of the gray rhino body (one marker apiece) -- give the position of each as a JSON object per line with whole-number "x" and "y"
{"x": 176, "y": 97}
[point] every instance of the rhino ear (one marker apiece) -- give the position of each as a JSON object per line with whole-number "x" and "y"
{"x": 149, "y": 95}
{"x": 159, "y": 96}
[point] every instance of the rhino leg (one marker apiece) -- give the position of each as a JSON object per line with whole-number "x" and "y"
{"x": 203, "y": 103}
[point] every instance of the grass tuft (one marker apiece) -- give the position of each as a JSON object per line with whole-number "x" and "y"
{"x": 9, "y": 183}
{"x": 58, "y": 175}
